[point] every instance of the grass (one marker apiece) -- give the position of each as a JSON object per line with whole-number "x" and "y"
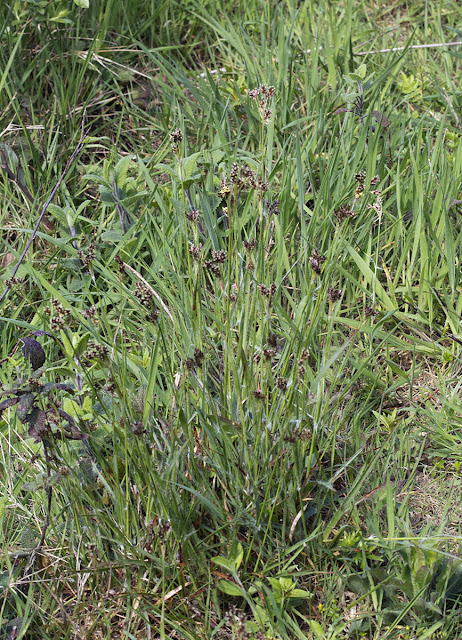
{"x": 231, "y": 356}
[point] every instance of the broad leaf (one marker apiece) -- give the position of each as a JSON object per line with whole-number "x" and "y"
{"x": 9, "y": 402}
{"x": 25, "y": 404}
{"x": 230, "y": 588}
{"x": 37, "y": 420}
{"x": 33, "y": 351}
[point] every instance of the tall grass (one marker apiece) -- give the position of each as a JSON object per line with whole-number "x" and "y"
{"x": 249, "y": 306}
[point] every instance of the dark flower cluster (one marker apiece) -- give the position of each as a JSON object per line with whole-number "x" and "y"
{"x": 96, "y": 352}
{"x": 89, "y": 254}
{"x": 12, "y": 283}
{"x": 143, "y": 293}
{"x": 249, "y": 245}
{"x": 273, "y": 207}
{"x": 176, "y": 137}
{"x": 196, "y": 361}
{"x": 316, "y": 261}
{"x": 267, "y": 292}
{"x": 224, "y": 189}
{"x": 90, "y": 314}
{"x": 192, "y": 215}
{"x": 263, "y": 95}
{"x": 213, "y": 265}
{"x": 61, "y": 316}
{"x": 343, "y": 212}
{"x": 195, "y": 251}
{"x": 334, "y": 294}
{"x": 219, "y": 256}
{"x": 271, "y": 347}
{"x": 305, "y": 354}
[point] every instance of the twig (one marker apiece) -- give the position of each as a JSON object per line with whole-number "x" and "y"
{"x": 76, "y": 152}
{"x": 433, "y": 45}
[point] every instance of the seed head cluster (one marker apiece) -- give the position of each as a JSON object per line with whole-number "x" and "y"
{"x": 213, "y": 265}
{"x": 89, "y": 254}
{"x": 59, "y": 316}
{"x": 146, "y": 297}
{"x": 195, "y": 251}
{"x": 96, "y": 352}
{"x": 267, "y": 292}
{"x": 316, "y": 261}
{"x": 334, "y": 294}
{"x": 219, "y": 256}
{"x": 143, "y": 293}
{"x": 270, "y": 349}
{"x": 192, "y": 215}
{"x": 13, "y": 283}
{"x": 196, "y": 361}
{"x": 176, "y": 137}
{"x": 263, "y": 95}
{"x": 90, "y": 314}
{"x": 249, "y": 245}
{"x": 273, "y": 207}
{"x": 343, "y": 212}
{"x": 242, "y": 178}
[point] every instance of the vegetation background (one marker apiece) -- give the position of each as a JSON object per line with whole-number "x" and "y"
{"x": 230, "y": 374}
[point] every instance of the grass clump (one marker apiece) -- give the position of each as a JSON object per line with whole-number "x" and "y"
{"x": 230, "y": 355}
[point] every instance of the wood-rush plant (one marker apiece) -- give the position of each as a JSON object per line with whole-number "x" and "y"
{"x": 259, "y": 309}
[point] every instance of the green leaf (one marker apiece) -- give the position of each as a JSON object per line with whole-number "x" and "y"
{"x": 73, "y": 408}
{"x": 236, "y": 554}
{"x": 5, "y": 577}
{"x": 224, "y": 563}
{"x": 358, "y": 584}
{"x": 121, "y": 170}
{"x": 188, "y": 166}
{"x": 316, "y": 628}
{"x": 353, "y": 78}
{"x": 112, "y": 236}
{"x": 276, "y": 584}
{"x": 169, "y": 170}
{"x": 68, "y": 348}
{"x": 230, "y": 588}
{"x": 299, "y": 593}
{"x": 260, "y": 615}
{"x": 361, "y": 71}
{"x": 83, "y": 4}
{"x": 80, "y": 343}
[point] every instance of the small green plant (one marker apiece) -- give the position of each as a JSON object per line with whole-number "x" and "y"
{"x": 267, "y": 599}
{"x": 42, "y": 12}
{"x": 410, "y": 86}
